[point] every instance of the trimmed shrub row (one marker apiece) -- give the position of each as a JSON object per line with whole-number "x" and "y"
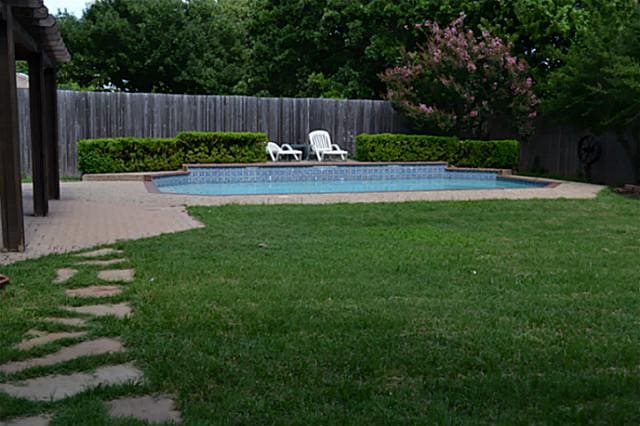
{"x": 502, "y": 154}
{"x": 129, "y": 154}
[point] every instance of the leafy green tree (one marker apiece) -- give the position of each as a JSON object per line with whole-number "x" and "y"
{"x": 171, "y": 46}
{"x": 333, "y": 48}
{"x": 337, "y": 48}
{"x": 326, "y": 47}
{"x": 599, "y": 85}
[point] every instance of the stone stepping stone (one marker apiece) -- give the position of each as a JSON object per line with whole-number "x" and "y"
{"x": 76, "y": 322}
{"x": 108, "y": 262}
{"x": 116, "y": 275}
{"x": 92, "y": 347}
{"x": 145, "y": 408}
{"x": 41, "y": 420}
{"x": 120, "y": 310}
{"x": 95, "y": 291}
{"x": 64, "y": 274}
{"x": 100, "y": 252}
{"x": 57, "y": 387}
{"x": 41, "y": 338}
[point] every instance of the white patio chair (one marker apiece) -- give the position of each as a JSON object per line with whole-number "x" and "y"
{"x": 321, "y": 145}
{"x": 275, "y": 151}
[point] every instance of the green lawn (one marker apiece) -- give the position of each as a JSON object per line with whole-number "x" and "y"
{"x": 489, "y": 312}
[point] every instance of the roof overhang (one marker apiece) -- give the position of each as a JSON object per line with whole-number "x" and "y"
{"x": 35, "y": 30}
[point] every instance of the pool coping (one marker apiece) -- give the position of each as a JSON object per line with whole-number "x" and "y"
{"x": 148, "y": 177}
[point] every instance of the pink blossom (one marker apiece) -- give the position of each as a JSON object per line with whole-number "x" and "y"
{"x": 528, "y": 83}
{"x": 464, "y": 66}
{"x": 426, "y": 109}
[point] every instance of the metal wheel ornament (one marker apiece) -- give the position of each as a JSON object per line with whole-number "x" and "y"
{"x": 589, "y": 150}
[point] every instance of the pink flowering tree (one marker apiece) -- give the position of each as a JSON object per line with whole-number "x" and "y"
{"x": 458, "y": 83}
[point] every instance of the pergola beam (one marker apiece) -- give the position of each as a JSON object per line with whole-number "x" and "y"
{"x": 23, "y": 3}
{"x": 51, "y": 135}
{"x": 39, "y": 121}
{"x": 23, "y": 38}
{"x": 11, "y": 213}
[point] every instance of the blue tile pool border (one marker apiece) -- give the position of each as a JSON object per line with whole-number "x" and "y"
{"x": 288, "y": 172}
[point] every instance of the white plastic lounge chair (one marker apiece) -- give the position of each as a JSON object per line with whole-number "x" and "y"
{"x": 321, "y": 145}
{"x": 275, "y": 151}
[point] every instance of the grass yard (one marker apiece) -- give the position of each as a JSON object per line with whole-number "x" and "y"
{"x": 488, "y": 312}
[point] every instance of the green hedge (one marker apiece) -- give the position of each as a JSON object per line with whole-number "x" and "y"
{"x": 503, "y": 154}
{"x": 117, "y": 155}
{"x": 222, "y": 147}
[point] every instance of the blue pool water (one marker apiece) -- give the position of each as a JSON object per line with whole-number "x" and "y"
{"x": 330, "y": 179}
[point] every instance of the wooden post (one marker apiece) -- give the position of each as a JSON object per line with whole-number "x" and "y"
{"x": 39, "y": 148}
{"x": 10, "y": 186}
{"x": 51, "y": 133}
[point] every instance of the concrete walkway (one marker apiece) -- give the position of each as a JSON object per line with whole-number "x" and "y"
{"x": 92, "y": 213}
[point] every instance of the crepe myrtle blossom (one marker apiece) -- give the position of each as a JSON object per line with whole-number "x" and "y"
{"x": 460, "y": 82}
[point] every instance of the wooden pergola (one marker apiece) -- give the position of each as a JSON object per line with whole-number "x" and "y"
{"x": 28, "y": 32}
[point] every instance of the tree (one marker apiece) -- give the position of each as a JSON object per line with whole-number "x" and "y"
{"x": 330, "y": 48}
{"x": 599, "y": 87}
{"x": 337, "y": 48}
{"x": 461, "y": 84}
{"x": 171, "y": 46}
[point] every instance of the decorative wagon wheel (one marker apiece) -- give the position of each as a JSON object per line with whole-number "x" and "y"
{"x": 589, "y": 150}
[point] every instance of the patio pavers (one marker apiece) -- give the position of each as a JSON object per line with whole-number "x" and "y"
{"x": 107, "y": 262}
{"x": 57, "y": 386}
{"x": 74, "y": 322}
{"x": 119, "y": 310}
{"x": 146, "y": 408}
{"x": 64, "y": 274}
{"x": 116, "y": 275}
{"x": 100, "y": 252}
{"x": 69, "y": 353}
{"x": 43, "y": 338}
{"x": 94, "y": 291}
{"x": 41, "y": 420}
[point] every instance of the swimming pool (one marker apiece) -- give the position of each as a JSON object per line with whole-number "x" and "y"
{"x": 304, "y": 179}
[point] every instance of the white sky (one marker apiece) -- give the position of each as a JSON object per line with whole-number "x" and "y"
{"x": 74, "y": 7}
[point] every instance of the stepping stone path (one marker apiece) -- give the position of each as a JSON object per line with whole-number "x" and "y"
{"x": 41, "y": 338}
{"x": 120, "y": 310}
{"x": 145, "y": 408}
{"x": 94, "y": 291}
{"x": 108, "y": 262}
{"x": 92, "y": 347}
{"x": 74, "y": 322}
{"x": 117, "y": 275}
{"x": 42, "y": 420}
{"x": 64, "y": 274}
{"x": 56, "y": 387}
{"x": 100, "y": 253}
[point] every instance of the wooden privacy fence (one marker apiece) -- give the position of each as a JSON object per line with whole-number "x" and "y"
{"x": 85, "y": 115}
{"x": 553, "y": 150}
